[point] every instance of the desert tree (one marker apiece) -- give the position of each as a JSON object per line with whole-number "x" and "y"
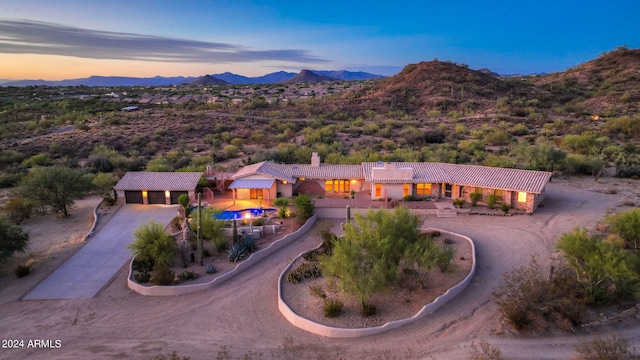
{"x": 153, "y": 243}
{"x": 57, "y": 187}
{"x": 305, "y": 207}
{"x": 627, "y": 226}
{"x": 12, "y": 239}
{"x": 607, "y": 270}
{"x": 104, "y": 183}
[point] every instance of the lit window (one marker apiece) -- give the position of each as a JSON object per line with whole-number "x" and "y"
{"x": 328, "y": 185}
{"x": 378, "y": 190}
{"x": 423, "y": 189}
{"x": 405, "y": 190}
{"x": 522, "y": 196}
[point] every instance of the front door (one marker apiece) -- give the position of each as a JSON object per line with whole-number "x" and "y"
{"x": 255, "y": 193}
{"x": 448, "y": 189}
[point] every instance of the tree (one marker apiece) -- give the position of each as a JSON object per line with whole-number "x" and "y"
{"x": 305, "y": 206}
{"x": 606, "y": 268}
{"x": 367, "y": 259}
{"x": 627, "y": 226}
{"x": 12, "y": 239}
{"x": 211, "y": 228}
{"x": 56, "y": 186}
{"x": 104, "y": 183}
{"x": 154, "y": 244}
{"x": 281, "y": 204}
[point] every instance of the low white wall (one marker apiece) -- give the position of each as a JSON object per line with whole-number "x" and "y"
{"x": 334, "y": 332}
{"x": 95, "y": 220}
{"x": 158, "y": 290}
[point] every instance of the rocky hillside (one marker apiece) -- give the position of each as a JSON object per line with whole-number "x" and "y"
{"x": 608, "y": 85}
{"x": 308, "y": 76}
{"x": 442, "y": 86}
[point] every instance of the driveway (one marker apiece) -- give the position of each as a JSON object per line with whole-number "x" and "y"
{"x": 93, "y": 267}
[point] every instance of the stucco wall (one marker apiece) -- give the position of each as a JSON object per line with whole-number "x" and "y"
{"x": 334, "y": 332}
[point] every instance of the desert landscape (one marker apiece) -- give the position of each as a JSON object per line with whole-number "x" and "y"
{"x": 240, "y": 317}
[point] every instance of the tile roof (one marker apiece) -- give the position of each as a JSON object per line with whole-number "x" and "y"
{"x": 140, "y": 180}
{"x": 470, "y": 175}
{"x": 423, "y": 172}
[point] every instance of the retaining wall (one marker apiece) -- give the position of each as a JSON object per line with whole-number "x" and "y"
{"x": 159, "y": 290}
{"x": 334, "y": 332}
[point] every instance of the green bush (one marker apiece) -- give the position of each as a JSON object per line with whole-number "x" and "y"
{"x": 162, "y": 275}
{"x": 505, "y": 208}
{"x": 305, "y": 207}
{"x": 22, "y": 271}
{"x": 475, "y": 197}
{"x": 187, "y": 275}
{"x": 491, "y": 201}
{"x": 627, "y": 226}
{"x": 142, "y": 277}
{"x": 281, "y": 204}
{"x": 17, "y": 209}
{"x": 459, "y": 202}
{"x": 332, "y": 308}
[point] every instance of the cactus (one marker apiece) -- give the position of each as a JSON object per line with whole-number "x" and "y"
{"x": 348, "y": 214}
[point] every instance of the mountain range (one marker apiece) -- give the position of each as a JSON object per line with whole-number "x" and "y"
{"x": 225, "y": 78}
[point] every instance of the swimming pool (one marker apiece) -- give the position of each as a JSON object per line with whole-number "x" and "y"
{"x": 245, "y": 213}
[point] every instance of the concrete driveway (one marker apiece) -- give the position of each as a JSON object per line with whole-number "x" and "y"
{"x": 93, "y": 267}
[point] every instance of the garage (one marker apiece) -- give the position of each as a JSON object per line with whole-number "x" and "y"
{"x": 156, "y": 188}
{"x": 156, "y": 197}
{"x": 175, "y": 195}
{"x": 133, "y": 197}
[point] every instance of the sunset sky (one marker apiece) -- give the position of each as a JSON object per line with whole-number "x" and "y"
{"x": 65, "y": 39}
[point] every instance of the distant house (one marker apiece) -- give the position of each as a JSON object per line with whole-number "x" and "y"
{"x": 138, "y": 187}
{"x": 521, "y": 189}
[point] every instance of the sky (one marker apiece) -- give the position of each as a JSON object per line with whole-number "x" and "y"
{"x": 68, "y": 39}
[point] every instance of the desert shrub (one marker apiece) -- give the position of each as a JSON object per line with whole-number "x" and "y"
{"x": 142, "y": 265}
{"x": 22, "y": 270}
{"x": 627, "y": 226}
{"x": 41, "y": 159}
{"x": 305, "y": 207}
{"x": 459, "y": 202}
{"x": 530, "y": 300}
{"x": 187, "y": 275}
{"x": 317, "y": 291}
{"x": 475, "y": 197}
{"x": 583, "y": 165}
{"x": 162, "y": 275}
{"x": 484, "y": 351}
{"x": 613, "y": 348}
{"x": 605, "y": 268}
{"x": 496, "y": 137}
{"x": 10, "y": 180}
{"x": 17, "y": 209}
{"x": 332, "y": 308}
{"x": 505, "y": 208}
{"x": 306, "y": 270}
{"x": 520, "y": 130}
{"x": 281, "y": 204}
{"x": 221, "y": 243}
{"x": 491, "y": 201}
{"x": 445, "y": 256}
{"x": 211, "y": 269}
{"x": 142, "y": 277}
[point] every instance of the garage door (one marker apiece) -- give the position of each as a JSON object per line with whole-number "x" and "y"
{"x": 133, "y": 197}
{"x": 156, "y": 197}
{"x": 176, "y": 194}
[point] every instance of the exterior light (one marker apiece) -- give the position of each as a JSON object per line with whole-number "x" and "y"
{"x": 167, "y": 193}
{"x": 284, "y": 182}
{"x": 144, "y": 193}
{"x": 247, "y": 216}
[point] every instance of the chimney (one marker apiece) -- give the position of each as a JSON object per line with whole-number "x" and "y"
{"x": 315, "y": 159}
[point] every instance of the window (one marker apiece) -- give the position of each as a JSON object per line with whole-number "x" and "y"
{"x": 478, "y": 190}
{"x": 522, "y": 197}
{"x": 423, "y": 189}
{"x": 378, "y": 190}
{"x": 405, "y": 190}
{"x": 328, "y": 185}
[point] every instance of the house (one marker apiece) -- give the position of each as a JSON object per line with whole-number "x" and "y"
{"x": 521, "y": 189}
{"x": 138, "y": 187}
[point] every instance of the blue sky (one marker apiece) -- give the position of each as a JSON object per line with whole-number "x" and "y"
{"x": 77, "y": 38}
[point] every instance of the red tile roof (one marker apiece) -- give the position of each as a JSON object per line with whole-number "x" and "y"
{"x": 154, "y": 181}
